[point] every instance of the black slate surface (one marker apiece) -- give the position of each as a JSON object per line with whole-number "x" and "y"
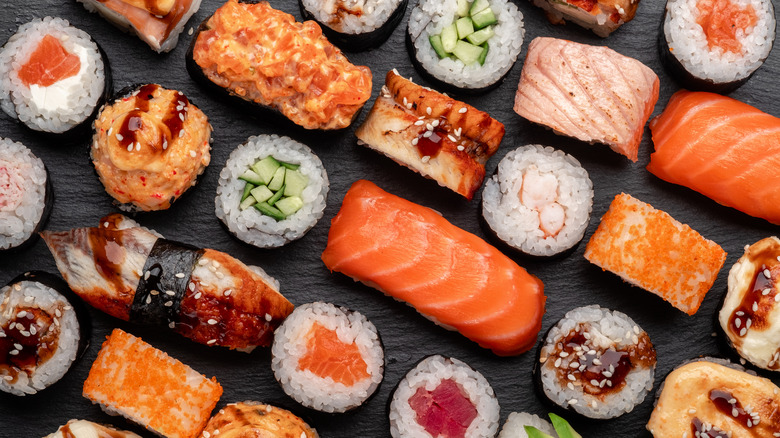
{"x": 569, "y": 282}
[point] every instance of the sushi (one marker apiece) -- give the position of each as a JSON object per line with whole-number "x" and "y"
{"x": 355, "y": 25}
{"x": 43, "y": 331}
{"x": 715, "y": 398}
{"x": 596, "y": 362}
{"x": 449, "y": 275}
{"x": 571, "y": 88}
{"x": 149, "y": 147}
{"x": 158, "y": 23}
{"x": 281, "y": 65}
{"x": 53, "y": 78}
{"x": 539, "y": 201}
{"x": 750, "y": 314}
{"x": 731, "y": 162}
{"x": 716, "y": 45}
{"x": 26, "y": 198}
{"x": 517, "y": 421}
{"x": 443, "y": 396}
{"x": 650, "y": 249}
{"x": 143, "y": 384}
{"x": 465, "y": 46}
{"x": 271, "y": 191}
{"x": 135, "y": 275}
{"x": 432, "y": 134}
{"x": 328, "y": 358}
{"x": 88, "y": 429}
{"x": 253, "y": 419}
{"x": 600, "y": 16}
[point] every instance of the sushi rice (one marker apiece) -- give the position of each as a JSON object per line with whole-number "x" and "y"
{"x": 375, "y": 13}
{"x": 23, "y": 205}
{"x": 513, "y": 428}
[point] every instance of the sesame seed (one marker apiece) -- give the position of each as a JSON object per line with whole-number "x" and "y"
{"x": 692, "y": 411}
{"x": 268, "y": 317}
{"x": 766, "y": 291}
{"x": 211, "y": 341}
{"x": 147, "y": 274}
{"x": 563, "y": 354}
{"x": 596, "y": 361}
{"x": 452, "y": 139}
{"x": 767, "y": 274}
{"x": 57, "y": 313}
{"x": 165, "y": 144}
{"x": 2, "y": 334}
{"x": 228, "y": 292}
{"x": 168, "y": 304}
{"x": 594, "y": 382}
{"x": 463, "y": 110}
{"x": 571, "y": 377}
{"x": 435, "y": 123}
{"x": 18, "y": 346}
{"x": 542, "y": 359}
{"x": 607, "y": 374}
{"x": 409, "y": 105}
{"x": 154, "y": 292}
{"x": 149, "y": 300}
{"x": 206, "y": 435}
{"x": 181, "y": 116}
{"x": 593, "y": 404}
{"x": 179, "y": 275}
{"x": 212, "y": 321}
{"x": 170, "y": 293}
{"x": 743, "y": 331}
{"x": 748, "y": 323}
{"x": 138, "y": 146}
{"x": 9, "y": 378}
{"x": 21, "y": 314}
{"x": 427, "y": 134}
{"x": 570, "y": 386}
{"x": 405, "y": 101}
{"x": 33, "y": 330}
{"x": 573, "y": 401}
{"x": 592, "y": 352}
{"x": 428, "y": 110}
{"x": 737, "y": 322}
{"x": 419, "y": 123}
{"x": 777, "y": 298}
{"x": 429, "y": 127}
{"x": 426, "y": 158}
{"x": 56, "y": 322}
{"x": 181, "y": 133}
{"x": 415, "y": 141}
{"x": 574, "y": 364}
{"x": 557, "y": 363}
{"x": 192, "y": 287}
{"x": 740, "y": 313}
{"x": 192, "y": 154}
{"x": 13, "y": 352}
{"x": 755, "y": 306}
{"x": 460, "y": 147}
{"x": 119, "y": 137}
{"x": 202, "y": 262}
{"x": 219, "y": 275}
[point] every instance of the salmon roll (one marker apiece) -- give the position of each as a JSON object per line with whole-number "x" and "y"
{"x": 88, "y": 429}
{"x": 53, "y": 78}
{"x": 355, "y": 25}
{"x": 328, "y": 358}
{"x": 253, "y": 419}
{"x": 601, "y": 16}
{"x": 149, "y": 147}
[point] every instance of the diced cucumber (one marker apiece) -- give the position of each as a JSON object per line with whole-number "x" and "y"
{"x": 290, "y": 166}
{"x": 268, "y": 210}
{"x": 466, "y": 52}
{"x": 248, "y": 202}
{"x": 277, "y": 196}
{"x": 295, "y": 182}
{"x": 251, "y": 177}
{"x": 437, "y": 46}
{"x": 261, "y": 194}
{"x": 463, "y": 8}
{"x": 483, "y": 55}
{"x": 478, "y": 6}
{"x": 480, "y": 36}
{"x": 278, "y": 180}
{"x": 247, "y": 188}
{"x": 465, "y": 27}
{"x": 449, "y": 36}
{"x": 289, "y": 205}
{"x": 484, "y": 18}
{"x": 266, "y": 168}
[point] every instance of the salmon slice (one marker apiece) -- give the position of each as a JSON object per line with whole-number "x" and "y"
{"x": 722, "y": 148}
{"x": 590, "y": 93}
{"x": 49, "y": 63}
{"x": 449, "y": 275}
{"x": 721, "y": 20}
{"x": 327, "y": 356}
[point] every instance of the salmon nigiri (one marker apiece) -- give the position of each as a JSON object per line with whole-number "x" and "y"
{"x": 451, "y": 276}
{"x": 722, "y": 148}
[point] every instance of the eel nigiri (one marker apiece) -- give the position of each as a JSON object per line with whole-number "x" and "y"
{"x": 135, "y": 275}
{"x": 449, "y": 275}
{"x": 724, "y": 149}
{"x": 572, "y": 89}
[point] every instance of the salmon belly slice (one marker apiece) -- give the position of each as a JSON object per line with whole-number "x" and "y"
{"x": 327, "y": 356}
{"x": 49, "y": 63}
{"x": 449, "y": 275}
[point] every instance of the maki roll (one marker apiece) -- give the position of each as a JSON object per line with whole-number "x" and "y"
{"x": 750, "y": 314}
{"x": 539, "y": 201}
{"x": 355, "y": 25}
{"x": 328, "y": 358}
{"x": 465, "y": 46}
{"x": 88, "y": 429}
{"x": 26, "y": 195}
{"x": 443, "y": 397}
{"x": 601, "y": 16}
{"x": 253, "y": 419}
{"x": 149, "y": 147}
{"x": 41, "y": 332}
{"x": 271, "y": 191}
{"x": 517, "y": 422}
{"x": 596, "y": 362}
{"x": 716, "y": 45}
{"x": 53, "y": 77}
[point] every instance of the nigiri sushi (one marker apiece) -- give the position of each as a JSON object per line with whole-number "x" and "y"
{"x": 572, "y": 89}
{"x": 451, "y": 276}
{"x": 733, "y": 161}
{"x": 134, "y": 274}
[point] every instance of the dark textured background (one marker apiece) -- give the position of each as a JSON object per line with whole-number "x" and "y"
{"x": 569, "y": 282}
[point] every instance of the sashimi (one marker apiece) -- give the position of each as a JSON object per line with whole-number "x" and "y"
{"x": 449, "y": 275}
{"x": 49, "y": 63}
{"x": 722, "y": 148}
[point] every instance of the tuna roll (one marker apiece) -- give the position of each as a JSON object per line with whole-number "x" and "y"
{"x": 355, "y": 25}
{"x": 253, "y": 419}
{"x": 88, "y": 429}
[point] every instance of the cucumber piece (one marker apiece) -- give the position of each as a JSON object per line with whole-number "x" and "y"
{"x": 266, "y": 168}
{"x": 247, "y": 188}
{"x": 268, "y": 210}
{"x": 289, "y": 205}
{"x": 463, "y": 8}
{"x": 278, "y": 180}
{"x": 251, "y": 177}
{"x": 248, "y": 202}
{"x": 277, "y": 196}
{"x": 468, "y": 53}
{"x": 295, "y": 183}
{"x": 449, "y": 36}
{"x": 484, "y": 19}
{"x": 465, "y": 27}
{"x": 261, "y": 194}
{"x": 478, "y": 6}
{"x": 483, "y": 55}
{"x": 481, "y": 36}
{"x": 533, "y": 432}
{"x": 563, "y": 428}
{"x": 437, "y": 46}
{"x": 290, "y": 166}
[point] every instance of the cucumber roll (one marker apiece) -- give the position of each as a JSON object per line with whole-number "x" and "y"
{"x": 355, "y": 25}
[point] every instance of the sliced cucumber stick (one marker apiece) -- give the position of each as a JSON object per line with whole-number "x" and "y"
{"x": 468, "y": 53}
{"x": 248, "y": 202}
{"x": 247, "y": 188}
{"x": 277, "y": 196}
{"x": 463, "y": 8}
{"x": 449, "y": 37}
{"x": 483, "y": 55}
{"x": 266, "y": 168}
{"x": 261, "y": 194}
{"x": 290, "y": 166}
{"x": 295, "y": 183}
{"x": 437, "y": 46}
{"x": 289, "y": 205}
{"x": 269, "y": 210}
{"x": 465, "y": 27}
{"x": 251, "y": 177}
{"x": 484, "y": 18}
{"x": 480, "y": 36}
{"x": 478, "y": 6}
{"x": 278, "y": 180}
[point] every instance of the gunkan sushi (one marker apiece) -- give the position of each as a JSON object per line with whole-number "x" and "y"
{"x": 88, "y": 429}
{"x": 135, "y": 275}
{"x": 355, "y": 25}
{"x": 253, "y": 419}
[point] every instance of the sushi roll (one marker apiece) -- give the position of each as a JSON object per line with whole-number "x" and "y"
{"x": 328, "y": 358}
{"x": 355, "y": 25}
{"x": 88, "y": 429}
{"x": 443, "y": 396}
{"x": 517, "y": 422}
{"x": 750, "y": 314}
{"x": 261, "y": 59}
{"x": 271, "y": 191}
{"x": 253, "y": 419}
{"x": 716, "y": 45}
{"x": 149, "y": 146}
{"x": 158, "y": 23}
{"x": 596, "y": 362}
{"x": 539, "y": 201}
{"x": 53, "y": 78}
{"x": 601, "y": 16}
{"x": 462, "y": 46}
{"x": 26, "y": 197}
{"x": 42, "y": 332}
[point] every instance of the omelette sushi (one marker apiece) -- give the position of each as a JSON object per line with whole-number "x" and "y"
{"x": 398, "y": 247}
{"x": 135, "y": 275}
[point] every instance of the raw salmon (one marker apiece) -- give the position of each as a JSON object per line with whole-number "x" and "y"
{"x": 327, "y": 356}
{"x": 721, "y": 20}
{"x": 49, "y": 63}
{"x": 722, "y": 148}
{"x": 587, "y": 92}
{"x": 451, "y": 276}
